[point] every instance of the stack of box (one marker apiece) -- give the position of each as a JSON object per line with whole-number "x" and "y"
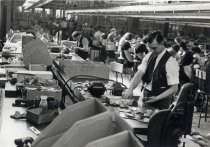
{"x": 66, "y": 119}
{"x": 24, "y": 74}
{"x": 73, "y": 68}
{"x": 47, "y": 88}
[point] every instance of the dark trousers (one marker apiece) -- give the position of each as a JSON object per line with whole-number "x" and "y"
{"x": 162, "y": 104}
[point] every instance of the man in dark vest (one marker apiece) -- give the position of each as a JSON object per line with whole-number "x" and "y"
{"x": 159, "y": 72}
{"x": 82, "y": 48}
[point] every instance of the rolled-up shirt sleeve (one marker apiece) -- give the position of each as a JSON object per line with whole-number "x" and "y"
{"x": 172, "y": 71}
{"x": 143, "y": 65}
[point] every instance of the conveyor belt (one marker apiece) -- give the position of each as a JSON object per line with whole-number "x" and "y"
{"x": 69, "y": 88}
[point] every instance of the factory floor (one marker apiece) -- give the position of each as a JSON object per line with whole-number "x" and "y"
{"x": 204, "y": 126}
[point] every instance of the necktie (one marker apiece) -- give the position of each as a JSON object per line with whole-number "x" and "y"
{"x": 150, "y": 68}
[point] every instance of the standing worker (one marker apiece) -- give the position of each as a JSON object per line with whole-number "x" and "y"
{"x": 159, "y": 72}
{"x": 82, "y": 48}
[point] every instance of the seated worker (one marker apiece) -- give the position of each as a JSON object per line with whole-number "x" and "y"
{"x": 127, "y": 59}
{"x": 141, "y": 51}
{"x": 196, "y": 55}
{"x": 111, "y": 39}
{"x": 121, "y": 41}
{"x": 159, "y": 72}
{"x": 100, "y": 53}
{"x": 186, "y": 62}
{"x": 82, "y": 48}
{"x": 173, "y": 50}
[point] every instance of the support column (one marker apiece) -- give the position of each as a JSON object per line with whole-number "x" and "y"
{"x": 23, "y": 9}
{"x": 133, "y": 25}
{"x": 165, "y": 29}
{"x": 8, "y": 14}
{"x": 43, "y": 12}
{"x": 1, "y": 9}
{"x": 93, "y": 20}
{"x": 54, "y": 13}
{"x": 60, "y": 13}
{"x": 64, "y": 12}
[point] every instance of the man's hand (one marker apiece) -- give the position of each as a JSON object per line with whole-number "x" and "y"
{"x": 127, "y": 94}
{"x": 149, "y": 100}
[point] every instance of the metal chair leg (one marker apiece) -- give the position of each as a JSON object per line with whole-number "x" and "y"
{"x": 116, "y": 76}
{"x": 206, "y": 111}
{"x": 200, "y": 110}
{"x": 121, "y": 77}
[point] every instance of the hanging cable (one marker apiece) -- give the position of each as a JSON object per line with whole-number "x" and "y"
{"x": 77, "y": 77}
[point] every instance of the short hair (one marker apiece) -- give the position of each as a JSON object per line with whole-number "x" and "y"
{"x": 158, "y": 35}
{"x": 175, "y": 47}
{"x": 113, "y": 29}
{"x": 75, "y": 34}
{"x": 141, "y": 48}
{"x": 129, "y": 36}
{"x": 196, "y": 43}
{"x": 196, "y": 50}
{"x": 104, "y": 36}
{"x": 144, "y": 40}
{"x": 183, "y": 45}
{"x": 177, "y": 39}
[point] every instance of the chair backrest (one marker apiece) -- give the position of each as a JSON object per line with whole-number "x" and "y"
{"x": 94, "y": 54}
{"x": 184, "y": 105}
{"x": 155, "y": 128}
{"x": 170, "y": 124}
{"x": 116, "y": 67}
{"x": 201, "y": 80}
{"x": 201, "y": 74}
{"x": 179, "y": 121}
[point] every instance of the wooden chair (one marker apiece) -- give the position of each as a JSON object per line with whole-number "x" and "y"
{"x": 94, "y": 55}
{"x": 201, "y": 79}
{"x": 117, "y": 68}
{"x": 128, "y": 71}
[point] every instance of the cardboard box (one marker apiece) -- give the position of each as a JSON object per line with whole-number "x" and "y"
{"x": 3, "y": 81}
{"x": 66, "y": 119}
{"x": 93, "y": 128}
{"x": 32, "y": 94}
{"x": 38, "y": 117}
{"x": 3, "y": 72}
{"x": 122, "y": 139}
{"x": 10, "y": 90}
{"x": 37, "y": 67}
{"x": 73, "y": 68}
{"x": 22, "y": 75}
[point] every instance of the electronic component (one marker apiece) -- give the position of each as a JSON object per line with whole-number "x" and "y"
{"x": 34, "y": 130}
{"x": 55, "y": 50}
{"x": 26, "y": 103}
{"x": 97, "y": 89}
{"x": 117, "y": 89}
{"x": 24, "y": 142}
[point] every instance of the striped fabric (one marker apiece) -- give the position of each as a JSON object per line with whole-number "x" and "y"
{"x": 36, "y": 52}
